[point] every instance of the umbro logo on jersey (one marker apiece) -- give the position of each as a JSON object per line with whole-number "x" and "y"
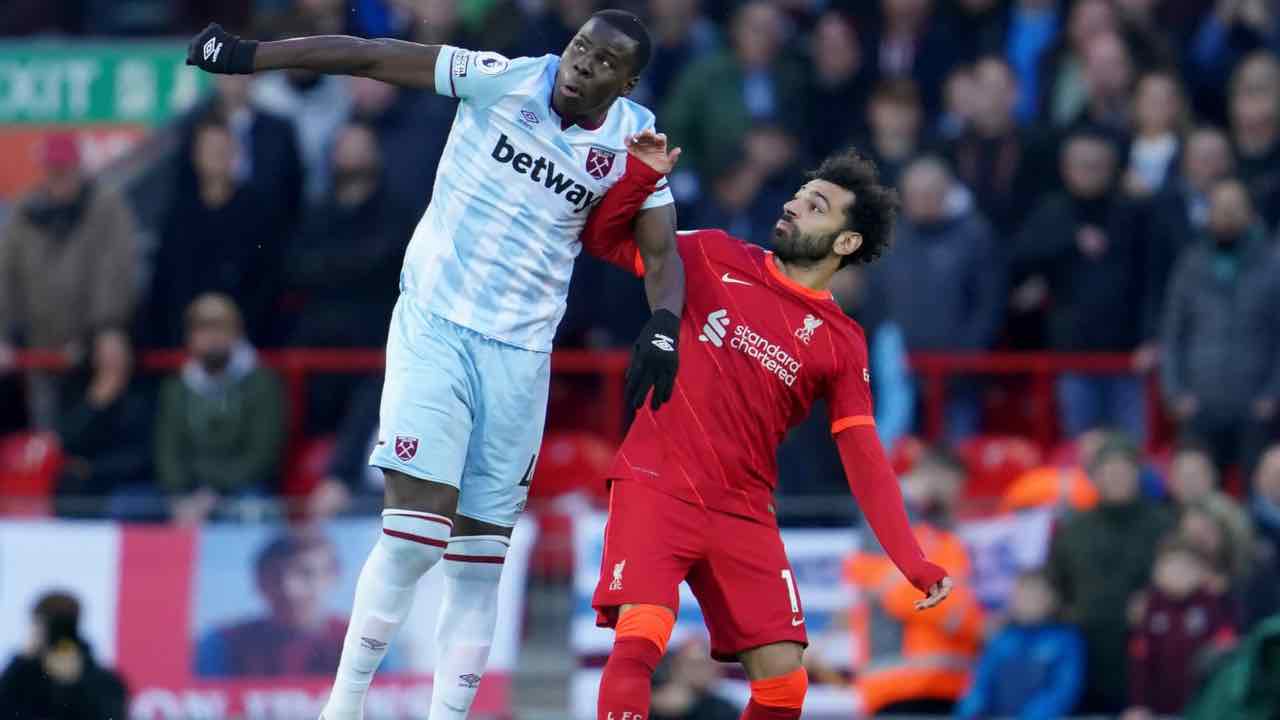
{"x": 664, "y": 343}
{"x": 529, "y": 117}
{"x": 731, "y": 280}
{"x": 543, "y": 171}
{"x": 212, "y": 49}
{"x": 716, "y": 327}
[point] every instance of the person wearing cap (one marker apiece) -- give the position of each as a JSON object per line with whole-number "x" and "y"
{"x": 1099, "y": 560}
{"x": 68, "y": 268}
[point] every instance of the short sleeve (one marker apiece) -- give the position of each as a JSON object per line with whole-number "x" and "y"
{"x": 661, "y": 196}
{"x": 482, "y": 78}
{"x": 849, "y": 396}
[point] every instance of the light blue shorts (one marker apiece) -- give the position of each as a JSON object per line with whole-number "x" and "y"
{"x": 462, "y": 409}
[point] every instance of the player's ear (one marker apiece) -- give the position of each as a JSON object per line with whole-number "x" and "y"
{"x": 847, "y": 243}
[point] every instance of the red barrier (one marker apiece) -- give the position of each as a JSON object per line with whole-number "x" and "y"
{"x": 934, "y": 370}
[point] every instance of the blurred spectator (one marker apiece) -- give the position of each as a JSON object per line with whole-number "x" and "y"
{"x": 1221, "y": 373}
{"x": 1193, "y": 481}
{"x": 1063, "y": 90}
{"x": 682, "y": 687}
{"x": 1206, "y": 531}
{"x": 717, "y": 101}
{"x": 1033, "y": 668}
{"x": 411, "y": 127}
{"x": 841, "y": 84}
{"x": 68, "y": 268}
{"x": 1179, "y": 215}
{"x": 916, "y": 662}
{"x": 896, "y": 122}
{"x": 1159, "y": 115}
{"x": 1108, "y": 76}
{"x": 40, "y": 17}
{"x": 958, "y": 104}
{"x": 962, "y": 311}
{"x": 1262, "y": 598}
{"x": 318, "y": 105}
{"x": 1246, "y": 683}
{"x": 350, "y": 482}
{"x": 295, "y": 574}
{"x": 56, "y": 676}
{"x": 682, "y": 35}
{"x": 912, "y": 43}
{"x": 345, "y": 263}
{"x": 1098, "y": 559}
{"x": 218, "y": 237}
{"x": 748, "y": 191}
{"x": 1227, "y": 32}
{"x": 1002, "y": 164}
{"x": 220, "y": 427}
{"x": 553, "y": 28}
{"x": 268, "y": 161}
{"x": 1255, "y": 128}
{"x": 1180, "y": 619}
{"x": 1086, "y": 245}
{"x": 104, "y": 425}
{"x": 1033, "y": 26}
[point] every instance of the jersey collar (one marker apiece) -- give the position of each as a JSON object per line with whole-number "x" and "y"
{"x": 792, "y": 285}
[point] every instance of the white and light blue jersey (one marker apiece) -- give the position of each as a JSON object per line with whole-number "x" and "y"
{"x": 494, "y": 251}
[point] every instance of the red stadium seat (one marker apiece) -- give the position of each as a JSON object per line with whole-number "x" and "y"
{"x": 995, "y": 462}
{"x": 308, "y": 466}
{"x": 569, "y": 476}
{"x": 29, "y": 467}
{"x": 905, "y": 453}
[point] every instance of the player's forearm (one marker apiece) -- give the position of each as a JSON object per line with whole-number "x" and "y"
{"x": 663, "y": 269}
{"x": 393, "y": 61}
{"x": 875, "y": 487}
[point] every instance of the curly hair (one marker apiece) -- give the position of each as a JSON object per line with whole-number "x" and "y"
{"x": 874, "y": 206}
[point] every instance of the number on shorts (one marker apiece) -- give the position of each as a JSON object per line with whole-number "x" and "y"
{"x": 791, "y": 590}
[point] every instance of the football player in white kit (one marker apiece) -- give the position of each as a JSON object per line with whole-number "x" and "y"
{"x": 535, "y": 143}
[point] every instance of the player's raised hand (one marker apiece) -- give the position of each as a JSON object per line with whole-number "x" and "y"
{"x": 937, "y": 594}
{"x": 650, "y": 148}
{"x": 217, "y": 51}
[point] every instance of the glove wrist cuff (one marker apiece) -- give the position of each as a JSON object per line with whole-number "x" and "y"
{"x": 242, "y": 55}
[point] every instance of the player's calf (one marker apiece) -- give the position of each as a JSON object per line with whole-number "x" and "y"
{"x": 778, "y": 681}
{"x": 640, "y": 640}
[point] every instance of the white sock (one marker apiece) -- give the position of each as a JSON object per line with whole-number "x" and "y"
{"x": 464, "y": 632}
{"x": 411, "y": 543}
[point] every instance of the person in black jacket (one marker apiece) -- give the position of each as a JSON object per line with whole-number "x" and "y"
{"x": 57, "y": 678}
{"x": 682, "y": 687}
{"x": 1085, "y": 244}
{"x": 105, "y": 427}
{"x": 1221, "y": 341}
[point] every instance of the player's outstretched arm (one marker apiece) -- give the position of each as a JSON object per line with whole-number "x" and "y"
{"x": 875, "y": 487}
{"x": 393, "y": 61}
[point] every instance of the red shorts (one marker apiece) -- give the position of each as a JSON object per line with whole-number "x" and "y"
{"x": 737, "y": 569}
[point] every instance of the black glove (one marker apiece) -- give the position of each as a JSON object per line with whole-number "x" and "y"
{"x": 654, "y": 360}
{"x": 217, "y": 51}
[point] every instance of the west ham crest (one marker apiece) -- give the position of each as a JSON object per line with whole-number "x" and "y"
{"x": 600, "y": 162}
{"x": 406, "y": 447}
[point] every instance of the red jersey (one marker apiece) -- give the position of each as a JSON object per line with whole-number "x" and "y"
{"x": 756, "y": 351}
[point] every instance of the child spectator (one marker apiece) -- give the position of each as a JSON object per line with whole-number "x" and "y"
{"x": 1182, "y": 619}
{"x": 1033, "y": 668}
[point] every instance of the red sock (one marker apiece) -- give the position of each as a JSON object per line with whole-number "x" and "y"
{"x": 768, "y": 712}
{"x": 628, "y": 680}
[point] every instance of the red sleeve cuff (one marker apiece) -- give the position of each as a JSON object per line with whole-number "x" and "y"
{"x": 640, "y": 173}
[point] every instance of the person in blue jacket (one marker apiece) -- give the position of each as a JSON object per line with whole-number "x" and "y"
{"x": 1032, "y": 669}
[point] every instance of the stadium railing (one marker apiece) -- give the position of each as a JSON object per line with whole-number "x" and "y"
{"x": 934, "y": 370}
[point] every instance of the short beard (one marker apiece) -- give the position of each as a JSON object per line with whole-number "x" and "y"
{"x": 793, "y": 248}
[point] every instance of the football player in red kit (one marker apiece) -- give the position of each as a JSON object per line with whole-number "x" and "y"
{"x": 691, "y": 495}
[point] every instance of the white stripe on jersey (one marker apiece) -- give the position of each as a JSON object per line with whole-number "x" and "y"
{"x": 494, "y": 251}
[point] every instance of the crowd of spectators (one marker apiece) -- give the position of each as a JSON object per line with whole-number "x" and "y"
{"x": 1076, "y": 176}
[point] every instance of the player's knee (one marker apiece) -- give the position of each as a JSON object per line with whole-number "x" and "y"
{"x": 476, "y": 561}
{"x": 412, "y": 543}
{"x": 784, "y": 691}
{"x": 653, "y": 623}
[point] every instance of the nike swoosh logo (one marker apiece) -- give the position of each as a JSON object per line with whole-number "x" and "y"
{"x": 797, "y": 622}
{"x": 730, "y": 279}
